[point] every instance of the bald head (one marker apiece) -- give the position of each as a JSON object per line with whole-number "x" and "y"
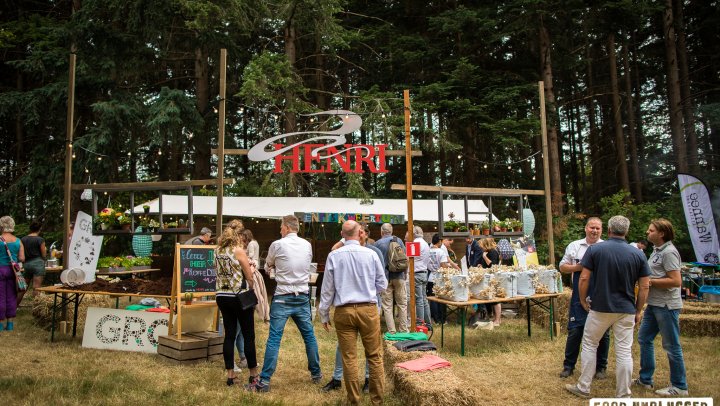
{"x": 351, "y": 230}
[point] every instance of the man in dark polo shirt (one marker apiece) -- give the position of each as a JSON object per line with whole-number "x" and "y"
{"x": 614, "y": 267}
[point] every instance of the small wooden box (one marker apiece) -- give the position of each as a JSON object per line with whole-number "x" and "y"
{"x": 184, "y": 350}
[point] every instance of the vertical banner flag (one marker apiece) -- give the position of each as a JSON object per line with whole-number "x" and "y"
{"x": 699, "y": 217}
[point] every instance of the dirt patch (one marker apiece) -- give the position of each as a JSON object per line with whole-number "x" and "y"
{"x": 161, "y": 286}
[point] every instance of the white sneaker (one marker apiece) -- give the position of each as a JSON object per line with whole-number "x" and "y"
{"x": 671, "y": 391}
{"x": 237, "y": 369}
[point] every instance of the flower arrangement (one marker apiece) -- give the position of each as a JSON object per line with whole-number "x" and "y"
{"x": 106, "y": 218}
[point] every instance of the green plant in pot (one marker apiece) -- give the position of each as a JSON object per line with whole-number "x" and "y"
{"x": 485, "y": 227}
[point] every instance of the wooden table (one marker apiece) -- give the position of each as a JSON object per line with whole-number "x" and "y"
{"x": 543, "y": 301}
{"x": 68, "y": 296}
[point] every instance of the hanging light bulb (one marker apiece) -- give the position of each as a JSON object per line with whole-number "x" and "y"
{"x": 242, "y": 110}
{"x": 485, "y": 166}
{"x": 159, "y": 152}
{"x": 73, "y": 155}
{"x": 383, "y": 115}
{"x": 86, "y": 170}
{"x": 70, "y": 145}
{"x": 99, "y": 158}
{"x": 129, "y": 153}
{"x": 215, "y": 109}
{"x": 509, "y": 167}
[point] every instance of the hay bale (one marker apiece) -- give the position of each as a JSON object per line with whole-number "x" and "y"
{"x": 700, "y": 308}
{"x": 540, "y": 317}
{"x": 700, "y": 325}
{"x": 42, "y": 309}
{"x": 438, "y": 387}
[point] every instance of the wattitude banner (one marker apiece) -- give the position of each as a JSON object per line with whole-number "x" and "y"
{"x": 699, "y": 217}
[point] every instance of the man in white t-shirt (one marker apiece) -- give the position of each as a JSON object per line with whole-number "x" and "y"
{"x": 438, "y": 259}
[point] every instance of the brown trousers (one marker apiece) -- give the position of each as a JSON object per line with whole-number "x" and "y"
{"x": 363, "y": 319}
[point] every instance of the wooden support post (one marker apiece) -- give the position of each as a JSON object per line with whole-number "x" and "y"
{"x": 408, "y": 182}
{"x": 546, "y": 175}
{"x": 68, "y": 159}
{"x": 221, "y": 142}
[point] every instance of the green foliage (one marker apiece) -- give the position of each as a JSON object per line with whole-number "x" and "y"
{"x": 267, "y": 79}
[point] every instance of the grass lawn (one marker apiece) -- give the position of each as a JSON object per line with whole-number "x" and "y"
{"x": 504, "y": 366}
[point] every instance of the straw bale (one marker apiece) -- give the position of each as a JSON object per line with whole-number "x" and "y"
{"x": 540, "y": 317}
{"x": 700, "y": 308}
{"x": 42, "y": 309}
{"x": 700, "y": 325}
{"x": 439, "y": 387}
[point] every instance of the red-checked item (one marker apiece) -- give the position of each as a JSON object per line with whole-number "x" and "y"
{"x": 426, "y": 363}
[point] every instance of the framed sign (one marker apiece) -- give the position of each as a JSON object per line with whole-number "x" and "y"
{"x": 194, "y": 275}
{"x": 124, "y": 330}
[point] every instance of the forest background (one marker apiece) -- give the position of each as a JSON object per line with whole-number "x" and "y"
{"x": 632, "y": 91}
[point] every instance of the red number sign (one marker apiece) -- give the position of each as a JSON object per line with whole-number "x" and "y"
{"x": 412, "y": 249}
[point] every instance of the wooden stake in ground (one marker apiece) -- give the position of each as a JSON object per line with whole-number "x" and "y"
{"x": 221, "y": 142}
{"x": 408, "y": 182}
{"x": 68, "y": 159}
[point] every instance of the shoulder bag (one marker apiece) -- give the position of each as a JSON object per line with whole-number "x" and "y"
{"x": 247, "y": 299}
{"x": 20, "y": 282}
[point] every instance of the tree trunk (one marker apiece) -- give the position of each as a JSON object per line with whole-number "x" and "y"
{"x": 686, "y": 97}
{"x": 636, "y": 184}
{"x": 553, "y": 145}
{"x": 290, "y": 119}
{"x": 201, "y": 142}
{"x": 622, "y": 169}
{"x": 673, "y": 90}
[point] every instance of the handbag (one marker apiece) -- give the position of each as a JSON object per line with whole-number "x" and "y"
{"x": 247, "y": 299}
{"x": 20, "y": 282}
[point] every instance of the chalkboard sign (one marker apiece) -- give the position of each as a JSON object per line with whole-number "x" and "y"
{"x": 196, "y": 265}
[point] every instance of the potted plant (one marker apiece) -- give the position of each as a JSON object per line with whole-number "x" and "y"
{"x": 146, "y": 208}
{"x": 152, "y": 225}
{"x": 171, "y": 224}
{"x": 451, "y": 225}
{"x": 503, "y": 225}
{"x": 141, "y": 263}
{"x": 188, "y": 297}
{"x": 106, "y": 218}
{"x": 124, "y": 221}
{"x": 516, "y": 225}
{"x": 485, "y": 226}
{"x": 463, "y": 228}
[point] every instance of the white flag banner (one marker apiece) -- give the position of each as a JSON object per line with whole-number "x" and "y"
{"x": 699, "y": 217}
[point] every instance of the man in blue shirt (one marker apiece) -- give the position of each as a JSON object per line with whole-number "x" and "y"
{"x": 614, "y": 267}
{"x": 353, "y": 277}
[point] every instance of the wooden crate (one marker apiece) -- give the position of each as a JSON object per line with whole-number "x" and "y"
{"x": 187, "y": 349}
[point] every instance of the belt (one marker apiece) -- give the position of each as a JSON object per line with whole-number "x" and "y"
{"x": 363, "y": 304}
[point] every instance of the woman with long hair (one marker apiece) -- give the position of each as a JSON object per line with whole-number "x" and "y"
{"x": 234, "y": 275}
{"x": 490, "y": 257}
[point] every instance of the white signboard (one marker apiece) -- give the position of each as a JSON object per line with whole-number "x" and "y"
{"x": 123, "y": 330}
{"x": 84, "y": 247}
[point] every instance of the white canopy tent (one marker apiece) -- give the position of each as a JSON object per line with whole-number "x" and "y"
{"x": 276, "y": 207}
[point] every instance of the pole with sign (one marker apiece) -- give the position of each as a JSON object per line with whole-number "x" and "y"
{"x": 408, "y": 182}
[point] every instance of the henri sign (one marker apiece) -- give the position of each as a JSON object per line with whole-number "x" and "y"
{"x": 305, "y": 157}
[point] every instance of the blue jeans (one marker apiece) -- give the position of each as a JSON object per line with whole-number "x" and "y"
{"x": 422, "y": 306}
{"x": 666, "y": 322}
{"x": 338, "y": 372}
{"x": 239, "y": 343}
{"x": 282, "y": 308}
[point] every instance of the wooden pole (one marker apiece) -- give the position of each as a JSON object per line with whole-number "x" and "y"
{"x": 546, "y": 174}
{"x": 68, "y": 159}
{"x": 408, "y": 182}
{"x": 221, "y": 142}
